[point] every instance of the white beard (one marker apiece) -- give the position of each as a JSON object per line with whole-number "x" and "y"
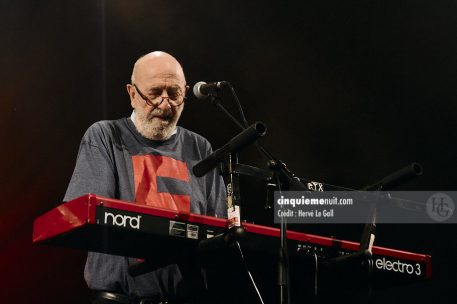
{"x": 153, "y": 127}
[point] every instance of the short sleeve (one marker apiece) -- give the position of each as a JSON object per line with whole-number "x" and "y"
{"x": 94, "y": 171}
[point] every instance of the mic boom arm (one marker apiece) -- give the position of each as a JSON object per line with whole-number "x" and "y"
{"x": 244, "y": 138}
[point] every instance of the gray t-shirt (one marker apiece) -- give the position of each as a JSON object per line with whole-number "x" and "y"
{"x": 115, "y": 161}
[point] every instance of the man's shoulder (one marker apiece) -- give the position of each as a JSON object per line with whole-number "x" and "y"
{"x": 193, "y": 136}
{"x": 104, "y": 129}
{"x": 107, "y": 124}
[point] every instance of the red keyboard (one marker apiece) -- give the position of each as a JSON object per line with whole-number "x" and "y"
{"x": 112, "y": 226}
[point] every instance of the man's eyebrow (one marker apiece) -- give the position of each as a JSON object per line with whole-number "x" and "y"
{"x": 154, "y": 88}
{"x": 161, "y": 87}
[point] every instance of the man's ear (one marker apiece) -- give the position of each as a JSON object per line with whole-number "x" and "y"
{"x": 131, "y": 91}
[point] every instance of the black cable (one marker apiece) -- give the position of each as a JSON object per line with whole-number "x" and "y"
{"x": 238, "y": 104}
{"x": 316, "y": 263}
{"x": 217, "y": 102}
{"x": 249, "y": 272}
{"x": 259, "y": 146}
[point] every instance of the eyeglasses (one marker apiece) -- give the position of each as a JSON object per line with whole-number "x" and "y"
{"x": 154, "y": 99}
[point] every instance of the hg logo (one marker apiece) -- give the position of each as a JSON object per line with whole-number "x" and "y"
{"x": 122, "y": 220}
{"x": 440, "y": 207}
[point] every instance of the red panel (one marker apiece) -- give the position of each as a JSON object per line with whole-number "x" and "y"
{"x": 144, "y": 209}
{"x": 207, "y": 220}
{"x": 428, "y": 271}
{"x": 293, "y": 235}
{"x": 61, "y": 219}
{"x": 399, "y": 254}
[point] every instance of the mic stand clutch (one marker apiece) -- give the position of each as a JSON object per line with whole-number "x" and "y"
{"x": 233, "y": 194}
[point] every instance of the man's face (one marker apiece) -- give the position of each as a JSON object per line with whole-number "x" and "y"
{"x": 159, "y": 81}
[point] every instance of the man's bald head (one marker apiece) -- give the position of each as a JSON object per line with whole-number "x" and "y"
{"x": 157, "y": 64}
{"x": 157, "y": 77}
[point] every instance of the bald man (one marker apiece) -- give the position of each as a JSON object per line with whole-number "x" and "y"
{"x": 146, "y": 159}
{"x": 157, "y": 77}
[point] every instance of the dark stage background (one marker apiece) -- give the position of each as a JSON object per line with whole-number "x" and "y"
{"x": 350, "y": 91}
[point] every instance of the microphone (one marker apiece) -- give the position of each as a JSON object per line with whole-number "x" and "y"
{"x": 202, "y": 89}
{"x": 246, "y": 137}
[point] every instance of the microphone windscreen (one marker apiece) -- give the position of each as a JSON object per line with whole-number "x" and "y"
{"x": 197, "y": 91}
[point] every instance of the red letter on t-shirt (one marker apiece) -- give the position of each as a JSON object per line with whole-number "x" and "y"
{"x": 146, "y": 169}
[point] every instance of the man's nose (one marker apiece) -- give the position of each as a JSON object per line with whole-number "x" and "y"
{"x": 165, "y": 103}
{"x": 164, "y": 93}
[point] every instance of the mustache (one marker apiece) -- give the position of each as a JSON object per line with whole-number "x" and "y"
{"x": 164, "y": 114}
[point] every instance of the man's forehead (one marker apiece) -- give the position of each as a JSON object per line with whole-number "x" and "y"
{"x": 160, "y": 72}
{"x": 164, "y": 79}
{"x": 164, "y": 76}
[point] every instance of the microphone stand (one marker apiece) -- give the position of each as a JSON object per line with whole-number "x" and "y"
{"x": 287, "y": 181}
